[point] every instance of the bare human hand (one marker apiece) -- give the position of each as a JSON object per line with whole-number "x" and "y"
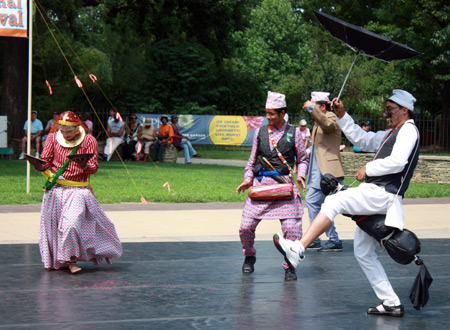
{"x": 301, "y": 183}
{"x": 307, "y": 104}
{"x": 338, "y": 107}
{"x": 361, "y": 175}
{"x": 243, "y": 187}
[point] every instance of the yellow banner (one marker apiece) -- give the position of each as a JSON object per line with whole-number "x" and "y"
{"x": 227, "y": 130}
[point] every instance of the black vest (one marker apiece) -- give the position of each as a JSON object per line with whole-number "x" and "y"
{"x": 285, "y": 146}
{"x": 397, "y": 182}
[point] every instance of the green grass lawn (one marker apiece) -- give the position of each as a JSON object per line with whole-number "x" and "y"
{"x": 188, "y": 183}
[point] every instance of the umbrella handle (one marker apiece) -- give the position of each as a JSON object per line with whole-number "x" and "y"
{"x": 348, "y": 73}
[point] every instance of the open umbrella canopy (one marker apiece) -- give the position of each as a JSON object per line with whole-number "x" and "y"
{"x": 365, "y": 41}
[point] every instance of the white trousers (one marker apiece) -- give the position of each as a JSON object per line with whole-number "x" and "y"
{"x": 364, "y": 247}
{"x": 111, "y": 144}
{"x": 368, "y": 199}
{"x": 144, "y": 145}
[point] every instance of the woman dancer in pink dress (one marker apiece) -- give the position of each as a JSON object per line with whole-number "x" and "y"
{"x": 73, "y": 225}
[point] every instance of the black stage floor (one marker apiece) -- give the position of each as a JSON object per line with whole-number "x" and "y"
{"x": 189, "y": 285}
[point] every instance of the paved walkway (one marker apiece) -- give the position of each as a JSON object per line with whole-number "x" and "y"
{"x": 428, "y": 218}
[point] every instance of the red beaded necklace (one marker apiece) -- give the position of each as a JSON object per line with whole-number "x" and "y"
{"x": 279, "y": 153}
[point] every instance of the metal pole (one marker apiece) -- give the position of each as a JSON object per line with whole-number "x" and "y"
{"x": 30, "y": 67}
{"x": 435, "y": 136}
{"x": 348, "y": 73}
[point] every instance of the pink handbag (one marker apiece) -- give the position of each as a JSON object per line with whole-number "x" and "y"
{"x": 271, "y": 192}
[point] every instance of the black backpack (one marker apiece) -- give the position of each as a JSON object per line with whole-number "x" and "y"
{"x": 402, "y": 245}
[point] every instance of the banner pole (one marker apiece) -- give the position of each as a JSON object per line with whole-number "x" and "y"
{"x": 30, "y": 71}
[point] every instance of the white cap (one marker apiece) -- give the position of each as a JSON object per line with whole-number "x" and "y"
{"x": 404, "y": 98}
{"x": 320, "y": 96}
{"x": 302, "y": 122}
{"x": 275, "y": 100}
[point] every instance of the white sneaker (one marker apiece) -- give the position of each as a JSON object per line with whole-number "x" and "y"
{"x": 37, "y": 155}
{"x": 21, "y": 156}
{"x": 289, "y": 249}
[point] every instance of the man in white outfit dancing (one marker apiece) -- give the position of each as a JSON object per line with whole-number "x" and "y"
{"x": 386, "y": 179}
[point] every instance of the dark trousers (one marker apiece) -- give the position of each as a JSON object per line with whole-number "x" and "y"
{"x": 128, "y": 149}
{"x": 160, "y": 148}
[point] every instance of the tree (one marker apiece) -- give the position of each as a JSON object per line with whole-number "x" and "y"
{"x": 15, "y": 66}
{"x": 423, "y": 25}
{"x": 179, "y": 76}
{"x": 149, "y": 43}
{"x": 275, "y": 44}
{"x": 14, "y": 92}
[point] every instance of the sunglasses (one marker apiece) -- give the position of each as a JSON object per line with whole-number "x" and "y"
{"x": 388, "y": 111}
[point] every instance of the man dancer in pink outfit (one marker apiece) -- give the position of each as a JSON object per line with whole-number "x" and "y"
{"x": 282, "y": 145}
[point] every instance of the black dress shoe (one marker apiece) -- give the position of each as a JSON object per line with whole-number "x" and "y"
{"x": 290, "y": 275}
{"x": 248, "y": 266}
{"x": 382, "y": 309}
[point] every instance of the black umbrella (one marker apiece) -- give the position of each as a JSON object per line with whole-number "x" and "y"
{"x": 364, "y": 41}
{"x": 419, "y": 291}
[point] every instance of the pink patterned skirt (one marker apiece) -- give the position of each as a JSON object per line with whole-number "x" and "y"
{"x": 74, "y": 224}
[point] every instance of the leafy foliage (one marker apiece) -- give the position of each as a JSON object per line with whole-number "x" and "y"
{"x": 221, "y": 56}
{"x": 275, "y": 44}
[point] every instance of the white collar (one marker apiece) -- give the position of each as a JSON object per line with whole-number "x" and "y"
{"x": 70, "y": 144}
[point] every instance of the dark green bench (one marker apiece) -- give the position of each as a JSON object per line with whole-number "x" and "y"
{"x": 7, "y": 151}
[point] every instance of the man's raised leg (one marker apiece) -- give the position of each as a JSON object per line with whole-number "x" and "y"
{"x": 293, "y": 251}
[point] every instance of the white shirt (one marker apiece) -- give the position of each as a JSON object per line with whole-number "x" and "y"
{"x": 394, "y": 163}
{"x": 116, "y": 126}
{"x": 371, "y": 142}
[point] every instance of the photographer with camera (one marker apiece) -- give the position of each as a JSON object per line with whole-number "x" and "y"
{"x": 325, "y": 158}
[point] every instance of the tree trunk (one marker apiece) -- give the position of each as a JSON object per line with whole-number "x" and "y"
{"x": 15, "y": 83}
